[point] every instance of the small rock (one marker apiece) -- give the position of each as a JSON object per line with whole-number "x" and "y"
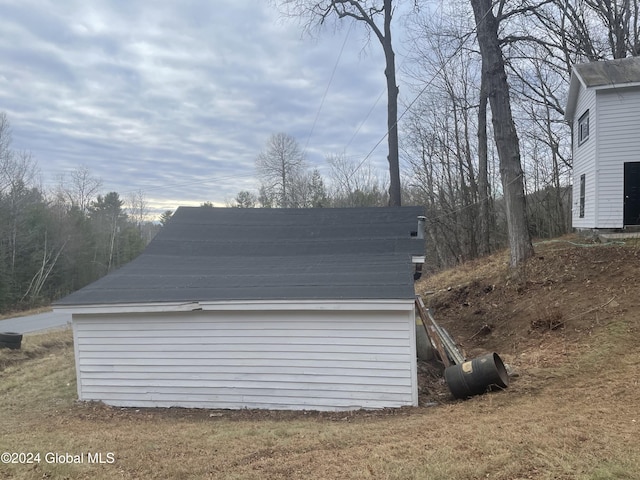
{"x": 613, "y": 304}
{"x": 511, "y": 371}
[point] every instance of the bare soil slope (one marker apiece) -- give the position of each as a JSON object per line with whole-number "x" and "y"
{"x": 551, "y": 311}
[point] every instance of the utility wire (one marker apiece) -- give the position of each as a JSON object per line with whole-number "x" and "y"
{"x": 326, "y": 91}
{"x": 365, "y": 119}
{"x": 427, "y": 85}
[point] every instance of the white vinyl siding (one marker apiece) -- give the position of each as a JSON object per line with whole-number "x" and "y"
{"x": 587, "y": 221}
{"x": 276, "y": 359}
{"x": 618, "y": 142}
{"x": 584, "y": 161}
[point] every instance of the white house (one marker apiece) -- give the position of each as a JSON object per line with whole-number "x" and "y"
{"x": 257, "y": 308}
{"x": 604, "y": 110}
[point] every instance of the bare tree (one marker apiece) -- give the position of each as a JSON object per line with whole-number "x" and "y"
{"x": 280, "y": 166}
{"x": 137, "y": 207}
{"x": 49, "y": 260}
{"x": 354, "y": 185}
{"x": 449, "y": 161}
{"x": 78, "y": 189}
{"x": 377, "y": 15}
{"x": 5, "y": 150}
{"x": 596, "y": 29}
{"x": 17, "y": 169}
{"x": 588, "y": 30}
{"x": 505, "y": 135}
{"x": 549, "y": 156}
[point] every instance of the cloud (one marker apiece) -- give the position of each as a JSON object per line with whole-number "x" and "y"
{"x": 177, "y": 98}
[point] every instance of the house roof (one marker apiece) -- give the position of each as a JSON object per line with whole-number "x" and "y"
{"x": 219, "y": 254}
{"x": 621, "y": 72}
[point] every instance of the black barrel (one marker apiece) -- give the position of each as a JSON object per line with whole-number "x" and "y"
{"x": 476, "y": 376}
{"x": 10, "y": 340}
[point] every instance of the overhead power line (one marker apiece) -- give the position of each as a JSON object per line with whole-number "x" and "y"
{"x": 326, "y": 91}
{"x": 427, "y": 85}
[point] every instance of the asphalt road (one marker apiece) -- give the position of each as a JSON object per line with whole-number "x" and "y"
{"x": 34, "y": 323}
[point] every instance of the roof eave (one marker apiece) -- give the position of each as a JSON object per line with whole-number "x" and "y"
{"x": 128, "y": 308}
{"x": 616, "y": 86}
{"x": 243, "y": 305}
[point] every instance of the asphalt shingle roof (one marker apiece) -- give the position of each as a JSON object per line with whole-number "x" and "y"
{"x": 219, "y": 254}
{"x": 612, "y": 72}
{"x": 618, "y": 73}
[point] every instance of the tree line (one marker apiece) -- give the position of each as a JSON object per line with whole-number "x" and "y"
{"x": 53, "y": 243}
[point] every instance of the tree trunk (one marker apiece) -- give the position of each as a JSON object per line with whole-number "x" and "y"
{"x": 483, "y": 173}
{"x": 505, "y": 134}
{"x": 392, "y": 109}
{"x": 367, "y": 12}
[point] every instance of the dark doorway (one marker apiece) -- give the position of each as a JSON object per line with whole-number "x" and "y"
{"x": 632, "y": 193}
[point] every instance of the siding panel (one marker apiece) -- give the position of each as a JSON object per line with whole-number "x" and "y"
{"x": 324, "y": 360}
{"x": 584, "y": 162}
{"x": 618, "y": 142}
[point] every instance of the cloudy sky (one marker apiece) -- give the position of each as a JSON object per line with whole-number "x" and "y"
{"x": 177, "y": 98}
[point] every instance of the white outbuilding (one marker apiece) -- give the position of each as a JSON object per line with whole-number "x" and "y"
{"x": 604, "y": 110}
{"x": 257, "y": 308}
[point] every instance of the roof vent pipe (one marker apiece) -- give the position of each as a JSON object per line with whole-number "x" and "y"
{"x": 422, "y": 220}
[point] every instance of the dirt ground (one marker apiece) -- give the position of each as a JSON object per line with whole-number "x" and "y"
{"x": 538, "y": 317}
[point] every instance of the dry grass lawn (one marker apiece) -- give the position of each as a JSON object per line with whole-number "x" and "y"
{"x": 33, "y": 311}
{"x": 572, "y": 413}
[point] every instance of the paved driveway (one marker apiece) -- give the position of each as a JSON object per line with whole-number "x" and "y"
{"x": 34, "y": 323}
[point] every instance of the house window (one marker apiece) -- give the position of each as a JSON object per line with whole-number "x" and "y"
{"x": 583, "y": 128}
{"x": 582, "y": 188}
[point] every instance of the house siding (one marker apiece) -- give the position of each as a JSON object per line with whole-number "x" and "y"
{"x": 618, "y": 142}
{"x": 584, "y": 162}
{"x": 316, "y": 359}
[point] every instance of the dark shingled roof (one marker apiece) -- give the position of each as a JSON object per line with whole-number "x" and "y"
{"x": 219, "y": 254}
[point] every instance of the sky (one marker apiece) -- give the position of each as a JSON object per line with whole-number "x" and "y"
{"x": 177, "y": 98}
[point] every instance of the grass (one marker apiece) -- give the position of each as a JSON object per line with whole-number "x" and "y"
{"x": 24, "y": 313}
{"x": 578, "y": 420}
